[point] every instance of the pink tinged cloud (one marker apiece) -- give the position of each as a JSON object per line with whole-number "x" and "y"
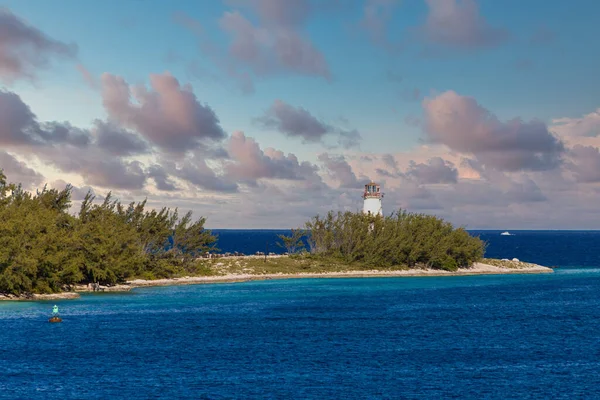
{"x": 87, "y": 76}
{"x": 62, "y": 145}
{"x": 188, "y": 22}
{"x": 458, "y": 24}
{"x": 339, "y": 170}
{"x": 273, "y": 43}
{"x": 276, "y": 46}
{"x": 586, "y": 126}
{"x": 249, "y": 163}
{"x": 279, "y": 13}
{"x": 24, "y": 49}
{"x": 463, "y": 125}
{"x": 585, "y": 163}
{"x": 168, "y": 115}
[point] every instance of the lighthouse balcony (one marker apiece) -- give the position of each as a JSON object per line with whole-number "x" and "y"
{"x": 372, "y": 195}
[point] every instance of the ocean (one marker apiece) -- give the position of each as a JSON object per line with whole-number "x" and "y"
{"x": 464, "y": 337}
{"x": 550, "y": 248}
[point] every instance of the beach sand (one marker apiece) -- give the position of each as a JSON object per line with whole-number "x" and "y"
{"x": 476, "y": 269}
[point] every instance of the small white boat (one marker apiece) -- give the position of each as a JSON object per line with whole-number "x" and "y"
{"x": 506, "y": 233}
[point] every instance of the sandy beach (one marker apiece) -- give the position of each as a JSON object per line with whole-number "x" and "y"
{"x": 476, "y": 269}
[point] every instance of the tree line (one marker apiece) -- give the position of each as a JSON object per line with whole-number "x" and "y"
{"x": 45, "y": 249}
{"x": 401, "y": 239}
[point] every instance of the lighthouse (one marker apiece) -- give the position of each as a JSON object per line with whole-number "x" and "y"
{"x": 372, "y": 199}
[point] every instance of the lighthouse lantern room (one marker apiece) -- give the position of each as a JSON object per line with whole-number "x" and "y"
{"x": 372, "y": 199}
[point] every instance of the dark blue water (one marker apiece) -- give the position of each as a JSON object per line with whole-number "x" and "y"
{"x": 474, "y": 337}
{"x": 552, "y": 248}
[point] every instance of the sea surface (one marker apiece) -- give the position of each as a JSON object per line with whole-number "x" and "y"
{"x": 550, "y": 248}
{"x": 469, "y": 337}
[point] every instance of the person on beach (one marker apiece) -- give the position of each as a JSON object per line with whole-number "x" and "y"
{"x": 55, "y": 310}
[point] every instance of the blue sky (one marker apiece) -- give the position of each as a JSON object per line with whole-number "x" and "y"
{"x": 132, "y": 39}
{"x": 544, "y": 68}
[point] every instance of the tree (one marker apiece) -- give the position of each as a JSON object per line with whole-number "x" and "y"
{"x": 402, "y": 239}
{"x": 294, "y": 242}
{"x": 45, "y": 249}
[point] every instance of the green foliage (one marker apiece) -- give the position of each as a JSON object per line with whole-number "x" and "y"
{"x": 44, "y": 249}
{"x": 402, "y": 239}
{"x": 292, "y": 243}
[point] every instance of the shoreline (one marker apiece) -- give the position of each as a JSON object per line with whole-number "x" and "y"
{"x": 476, "y": 269}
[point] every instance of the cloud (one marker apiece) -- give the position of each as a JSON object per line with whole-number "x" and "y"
{"x": 249, "y": 163}
{"x": 293, "y": 121}
{"x": 458, "y": 24}
{"x": 161, "y": 178}
{"x": 87, "y": 76}
{"x": 19, "y": 126}
{"x": 114, "y": 174}
{"x": 78, "y": 193}
{"x": 277, "y": 13}
{"x": 118, "y": 141}
{"x": 339, "y": 170}
{"x": 18, "y": 172}
{"x": 493, "y": 195}
{"x": 24, "y": 49}
{"x": 411, "y": 196}
{"x": 95, "y": 167}
{"x": 525, "y": 190}
{"x": 299, "y": 122}
{"x": 347, "y": 139}
{"x": 189, "y": 23}
{"x": 436, "y": 170}
{"x": 463, "y": 125}
{"x": 586, "y": 126}
{"x": 272, "y": 49}
{"x": 195, "y": 170}
{"x": 93, "y": 155}
{"x": 169, "y": 115}
{"x": 275, "y": 44}
{"x": 390, "y": 161}
{"x": 585, "y": 163}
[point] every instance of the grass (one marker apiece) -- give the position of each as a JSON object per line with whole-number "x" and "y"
{"x": 505, "y": 263}
{"x": 276, "y": 265}
{"x": 256, "y": 265}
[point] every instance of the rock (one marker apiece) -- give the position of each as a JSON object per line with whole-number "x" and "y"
{"x": 515, "y": 259}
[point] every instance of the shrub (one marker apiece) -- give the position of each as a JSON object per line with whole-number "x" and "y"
{"x": 401, "y": 239}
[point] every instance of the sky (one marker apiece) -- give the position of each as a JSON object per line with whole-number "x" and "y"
{"x": 264, "y": 113}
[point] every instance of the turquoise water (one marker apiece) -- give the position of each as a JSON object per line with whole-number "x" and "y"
{"x": 519, "y": 336}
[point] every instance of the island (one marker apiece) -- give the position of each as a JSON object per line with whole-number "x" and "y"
{"x": 47, "y": 252}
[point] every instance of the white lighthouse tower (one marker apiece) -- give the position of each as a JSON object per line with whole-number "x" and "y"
{"x": 372, "y": 197}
